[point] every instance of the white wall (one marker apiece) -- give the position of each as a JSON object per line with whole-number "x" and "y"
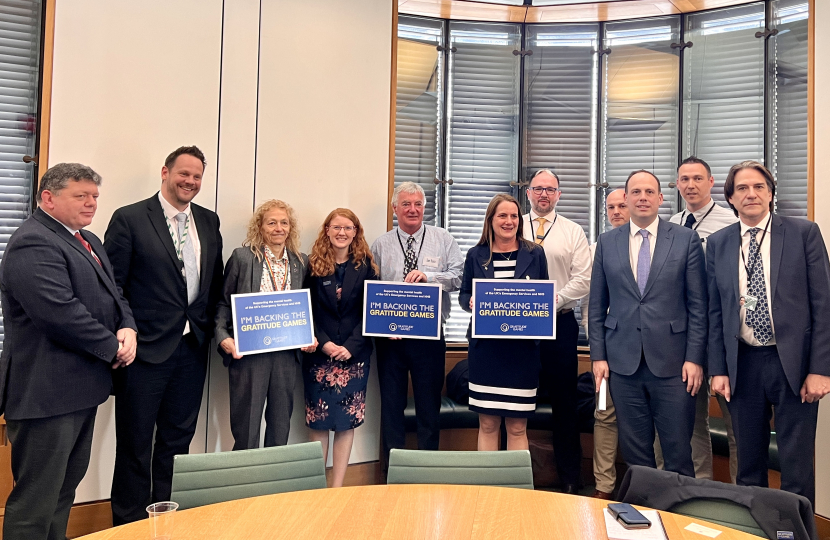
{"x": 822, "y": 217}
{"x": 309, "y": 109}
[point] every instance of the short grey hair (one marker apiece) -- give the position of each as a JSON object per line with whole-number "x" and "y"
{"x": 407, "y": 187}
{"x": 58, "y": 177}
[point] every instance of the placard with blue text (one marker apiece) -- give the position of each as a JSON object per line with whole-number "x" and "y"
{"x": 406, "y": 310}
{"x": 514, "y": 309}
{"x": 272, "y": 321}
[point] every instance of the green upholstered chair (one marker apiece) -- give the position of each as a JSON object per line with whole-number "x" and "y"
{"x": 721, "y": 512}
{"x": 510, "y": 468}
{"x": 200, "y": 479}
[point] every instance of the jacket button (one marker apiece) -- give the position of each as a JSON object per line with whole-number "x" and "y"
{"x": 642, "y": 303}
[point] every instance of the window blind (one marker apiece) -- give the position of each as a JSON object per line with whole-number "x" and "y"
{"x": 640, "y": 103}
{"x": 788, "y": 102}
{"x": 418, "y": 107}
{"x": 482, "y": 141}
{"x": 723, "y": 89}
{"x": 19, "y": 80}
{"x": 560, "y": 112}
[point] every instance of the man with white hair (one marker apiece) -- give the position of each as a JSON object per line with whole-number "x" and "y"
{"x": 414, "y": 252}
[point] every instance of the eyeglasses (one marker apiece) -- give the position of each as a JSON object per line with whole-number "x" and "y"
{"x": 340, "y": 228}
{"x": 539, "y": 190}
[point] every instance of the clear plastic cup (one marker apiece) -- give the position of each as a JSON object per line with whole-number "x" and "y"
{"x": 161, "y": 519}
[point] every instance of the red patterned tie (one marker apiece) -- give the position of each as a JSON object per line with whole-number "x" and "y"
{"x": 87, "y": 246}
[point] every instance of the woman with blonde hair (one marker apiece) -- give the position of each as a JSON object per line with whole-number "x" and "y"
{"x": 335, "y": 376}
{"x": 504, "y": 373}
{"x": 268, "y": 261}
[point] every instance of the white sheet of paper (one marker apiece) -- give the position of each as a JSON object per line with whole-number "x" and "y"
{"x": 618, "y": 532}
{"x": 700, "y": 529}
{"x": 603, "y": 395}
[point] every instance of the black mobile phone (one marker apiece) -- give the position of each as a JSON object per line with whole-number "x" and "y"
{"x": 628, "y": 516}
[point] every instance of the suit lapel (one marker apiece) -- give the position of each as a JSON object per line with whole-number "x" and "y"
{"x": 661, "y": 252}
{"x": 523, "y": 259}
{"x": 73, "y": 242}
{"x": 256, "y": 272}
{"x": 206, "y": 241}
{"x": 776, "y": 252}
{"x": 487, "y": 267}
{"x": 159, "y": 221}
{"x": 349, "y": 281}
{"x": 732, "y": 249}
{"x": 296, "y": 273}
{"x": 624, "y": 254}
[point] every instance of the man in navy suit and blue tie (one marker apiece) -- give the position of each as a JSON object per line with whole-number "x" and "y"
{"x": 647, "y": 320}
{"x": 769, "y": 310}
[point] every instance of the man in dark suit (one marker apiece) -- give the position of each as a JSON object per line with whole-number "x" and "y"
{"x": 647, "y": 320}
{"x": 167, "y": 256}
{"x": 769, "y": 345}
{"x": 66, "y": 325}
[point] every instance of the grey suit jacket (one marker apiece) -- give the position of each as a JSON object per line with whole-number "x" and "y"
{"x": 243, "y": 274}
{"x": 800, "y": 293}
{"x": 667, "y": 323}
{"x": 61, "y": 311}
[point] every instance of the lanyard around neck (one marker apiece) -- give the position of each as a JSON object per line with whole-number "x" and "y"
{"x": 423, "y": 234}
{"x": 696, "y": 224}
{"x": 761, "y": 243}
{"x": 179, "y": 244}
{"x": 541, "y": 241}
{"x": 272, "y": 274}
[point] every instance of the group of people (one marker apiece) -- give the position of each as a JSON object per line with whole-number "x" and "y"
{"x": 135, "y": 315}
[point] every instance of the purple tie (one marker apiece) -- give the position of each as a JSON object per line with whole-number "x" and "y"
{"x": 643, "y": 262}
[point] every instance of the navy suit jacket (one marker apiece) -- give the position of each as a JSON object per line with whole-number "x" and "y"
{"x": 667, "y": 323}
{"x": 341, "y": 322}
{"x": 61, "y": 310}
{"x": 147, "y": 268}
{"x": 530, "y": 264}
{"x": 800, "y": 293}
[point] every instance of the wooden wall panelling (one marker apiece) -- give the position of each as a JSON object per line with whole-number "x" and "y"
{"x": 462, "y": 9}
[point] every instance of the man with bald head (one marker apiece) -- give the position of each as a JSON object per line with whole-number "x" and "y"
{"x": 605, "y": 421}
{"x": 648, "y": 327}
{"x": 569, "y": 264}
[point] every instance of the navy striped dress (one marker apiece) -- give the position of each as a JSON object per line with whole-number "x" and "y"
{"x": 504, "y": 373}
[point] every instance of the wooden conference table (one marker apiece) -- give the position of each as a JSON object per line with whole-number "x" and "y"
{"x": 401, "y": 512}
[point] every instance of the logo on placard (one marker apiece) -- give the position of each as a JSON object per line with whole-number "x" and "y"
{"x": 504, "y": 327}
{"x": 267, "y": 340}
{"x": 393, "y": 327}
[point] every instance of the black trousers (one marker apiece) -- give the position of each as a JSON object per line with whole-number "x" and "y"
{"x": 164, "y": 397}
{"x": 645, "y": 402}
{"x": 760, "y": 388}
{"x": 560, "y": 365}
{"x": 50, "y": 457}
{"x": 423, "y": 360}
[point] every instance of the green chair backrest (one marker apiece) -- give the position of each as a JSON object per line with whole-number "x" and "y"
{"x": 510, "y": 468}
{"x": 720, "y": 512}
{"x": 200, "y": 479}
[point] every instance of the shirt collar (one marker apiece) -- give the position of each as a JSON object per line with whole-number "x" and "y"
{"x": 763, "y": 225}
{"x": 71, "y": 231}
{"x": 416, "y": 234}
{"x": 550, "y": 217}
{"x": 171, "y": 211}
{"x": 702, "y": 212}
{"x": 270, "y": 254}
{"x": 652, "y": 228}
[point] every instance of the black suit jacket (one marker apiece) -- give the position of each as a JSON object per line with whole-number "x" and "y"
{"x": 341, "y": 323}
{"x": 147, "y": 268}
{"x": 800, "y": 293}
{"x": 61, "y": 311}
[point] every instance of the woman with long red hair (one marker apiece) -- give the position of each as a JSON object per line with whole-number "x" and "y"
{"x": 335, "y": 376}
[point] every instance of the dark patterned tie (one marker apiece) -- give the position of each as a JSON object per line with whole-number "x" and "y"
{"x": 690, "y": 221}
{"x": 758, "y": 319}
{"x": 410, "y": 262}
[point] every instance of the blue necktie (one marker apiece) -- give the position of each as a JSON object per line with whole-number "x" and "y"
{"x": 758, "y": 319}
{"x": 643, "y": 262}
{"x": 690, "y": 221}
{"x": 191, "y": 270}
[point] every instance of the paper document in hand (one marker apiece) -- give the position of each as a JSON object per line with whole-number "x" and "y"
{"x": 618, "y": 532}
{"x": 603, "y": 395}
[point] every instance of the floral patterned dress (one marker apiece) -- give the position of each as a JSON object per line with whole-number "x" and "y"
{"x": 335, "y": 391}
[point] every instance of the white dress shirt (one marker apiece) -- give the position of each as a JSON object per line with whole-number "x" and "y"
{"x": 566, "y": 250}
{"x": 636, "y": 242}
{"x": 709, "y": 219}
{"x": 170, "y": 212}
{"x": 746, "y": 332}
